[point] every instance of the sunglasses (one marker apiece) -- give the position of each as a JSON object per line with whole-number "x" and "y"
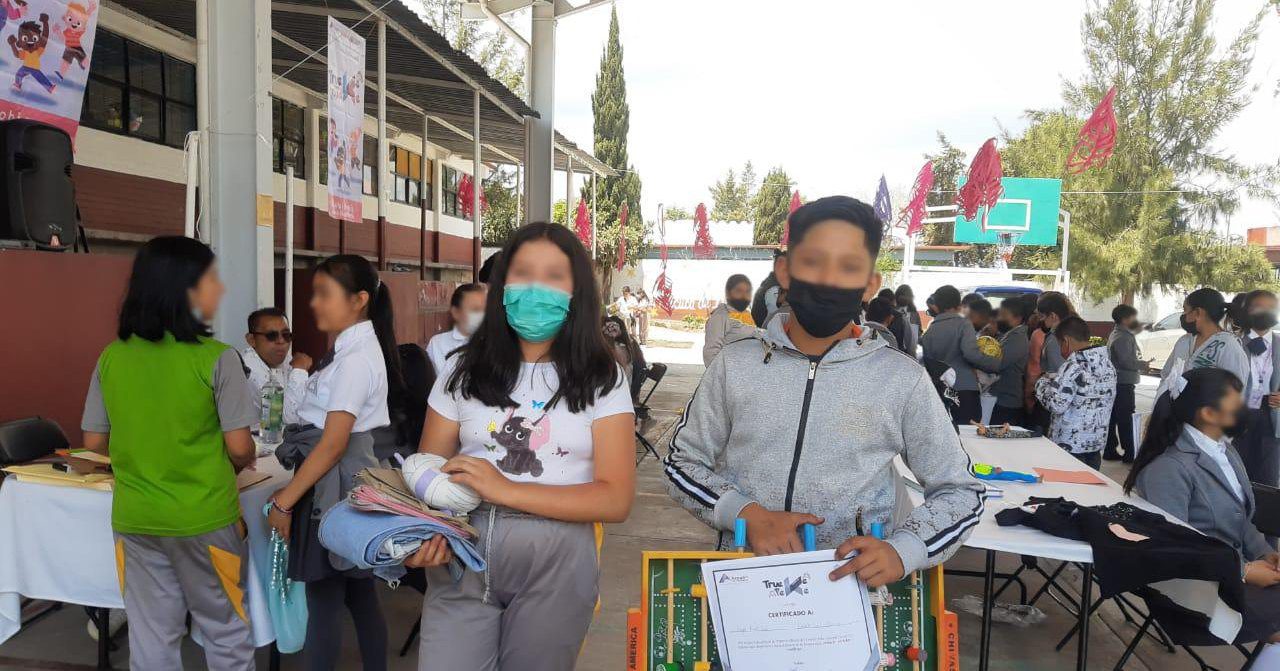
{"x": 274, "y": 336}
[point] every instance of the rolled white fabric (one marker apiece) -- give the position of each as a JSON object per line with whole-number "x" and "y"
{"x": 421, "y": 472}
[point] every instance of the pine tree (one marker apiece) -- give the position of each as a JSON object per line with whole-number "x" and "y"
{"x": 724, "y": 197}
{"x": 612, "y": 122}
{"x": 770, "y": 206}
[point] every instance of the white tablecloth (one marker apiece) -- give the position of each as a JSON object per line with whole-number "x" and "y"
{"x": 56, "y": 544}
{"x": 1024, "y": 455}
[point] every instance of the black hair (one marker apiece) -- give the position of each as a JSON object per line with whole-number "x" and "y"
{"x": 736, "y": 279}
{"x": 419, "y": 377}
{"x": 1206, "y": 387}
{"x": 624, "y": 337}
{"x": 455, "y": 300}
{"x": 489, "y": 364}
{"x": 257, "y": 316}
{"x": 1209, "y": 300}
{"x": 879, "y": 309}
{"x": 981, "y": 306}
{"x": 1254, "y": 295}
{"x": 779, "y": 253}
{"x": 486, "y": 268}
{"x": 887, "y": 294}
{"x": 1073, "y": 327}
{"x": 841, "y": 208}
{"x": 355, "y": 274}
{"x": 1122, "y": 313}
{"x": 1018, "y": 306}
{"x": 970, "y": 298}
{"x": 946, "y": 298}
{"x": 1055, "y": 303}
{"x": 156, "y": 301}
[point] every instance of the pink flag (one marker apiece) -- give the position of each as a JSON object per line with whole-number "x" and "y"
{"x": 703, "y": 247}
{"x": 786, "y": 225}
{"x": 1097, "y": 136}
{"x": 982, "y": 188}
{"x": 912, "y": 216}
{"x": 582, "y": 223}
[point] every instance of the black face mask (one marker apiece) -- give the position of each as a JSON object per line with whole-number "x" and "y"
{"x": 1004, "y": 327}
{"x": 823, "y": 310}
{"x": 1236, "y": 430}
{"x": 739, "y": 304}
{"x": 1260, "y": 321}
{"x": 1044, "y": 326}
{"x": 1189, "y": 327}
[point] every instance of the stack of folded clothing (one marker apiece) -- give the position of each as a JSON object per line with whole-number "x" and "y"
{"x": 381, "y": 523}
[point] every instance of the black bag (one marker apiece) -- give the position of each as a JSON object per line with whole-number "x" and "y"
{"x": 308, "y": 559}
{"x": 30, "y": 438}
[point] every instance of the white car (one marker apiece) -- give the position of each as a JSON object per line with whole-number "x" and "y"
{"x": 1156, "y": 341}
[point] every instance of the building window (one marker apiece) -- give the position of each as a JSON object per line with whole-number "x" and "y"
{"x": 406, "y": 169}
{"x": 370, "y": 157}
{"x": 449, "y": 199}
{"x": 138, "y": 91}
{"x": 288, "y": 136}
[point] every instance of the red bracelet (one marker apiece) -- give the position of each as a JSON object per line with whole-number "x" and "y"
{"x": 283, "y": 510}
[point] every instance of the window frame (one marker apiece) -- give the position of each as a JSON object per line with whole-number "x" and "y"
{"x": 127, "y": 90}
{"x": 449, "y": 198}
{"x": 282, "y": 133}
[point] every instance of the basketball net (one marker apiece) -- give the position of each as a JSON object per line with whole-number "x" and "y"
{"x": 1005, "y": 244}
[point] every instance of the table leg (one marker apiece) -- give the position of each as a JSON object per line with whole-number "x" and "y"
{"x": 104, "y": 637}
{"x": 988, "y": 586}
{"x": 1086, "y": 596}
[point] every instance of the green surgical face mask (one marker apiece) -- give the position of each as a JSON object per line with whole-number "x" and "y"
{"x": 535, "y": 311}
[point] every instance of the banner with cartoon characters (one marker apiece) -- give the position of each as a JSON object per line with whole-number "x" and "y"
{"x": 44, "y": 62}
{"x": 346, "y": 122}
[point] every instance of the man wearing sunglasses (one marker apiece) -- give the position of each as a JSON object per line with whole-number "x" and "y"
{"x": 269, "y": 341}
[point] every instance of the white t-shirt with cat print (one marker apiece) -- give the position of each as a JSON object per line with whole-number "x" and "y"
{"x": 531, "y": 443}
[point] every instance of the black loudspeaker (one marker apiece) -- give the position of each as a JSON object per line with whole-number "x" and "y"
{"x": 37, "y": 196}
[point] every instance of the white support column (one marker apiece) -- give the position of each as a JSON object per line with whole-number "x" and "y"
{"x": 237, "y": 77}
{"x": 288, "y": 244}
{"x": 570, "y": 209}
{"x": 315, "y": 136}
{"x": 202, "y": 113}
{"x": 384, "y": 175}
{"x": 539, "y": 132}
{"x": 477, "y": 185}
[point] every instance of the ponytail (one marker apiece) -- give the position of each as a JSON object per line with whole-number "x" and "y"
{"x": 355, "y": 274}
{"x": 1203, "y": 387}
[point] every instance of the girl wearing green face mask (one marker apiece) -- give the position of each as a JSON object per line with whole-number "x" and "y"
{"x": 536, "y": 417}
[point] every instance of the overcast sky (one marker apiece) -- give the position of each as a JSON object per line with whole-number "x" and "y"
{"x": 840, "y": 92}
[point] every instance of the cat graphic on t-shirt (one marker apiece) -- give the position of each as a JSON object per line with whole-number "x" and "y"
{"x": 522, "y": 437}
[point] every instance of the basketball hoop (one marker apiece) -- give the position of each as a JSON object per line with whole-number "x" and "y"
{"x": 1006, "y": 242}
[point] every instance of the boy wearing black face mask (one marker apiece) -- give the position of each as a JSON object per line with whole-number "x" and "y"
{"x": 1014, "y": 348}
{"x": 818, "y": 445}
{"x": 1123, "y": 348}
{"x": 952, "y": 343}
{"x": 1258, "y": 447}
{"x": 730, "y": 320}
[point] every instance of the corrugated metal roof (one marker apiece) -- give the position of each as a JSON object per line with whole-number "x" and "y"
{"x": 439, "y": 86}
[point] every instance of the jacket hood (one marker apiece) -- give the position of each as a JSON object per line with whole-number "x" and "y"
{"x": 775, "y": 338}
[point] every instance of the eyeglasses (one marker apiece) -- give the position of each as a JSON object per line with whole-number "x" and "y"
{"x": 274, "y": 336}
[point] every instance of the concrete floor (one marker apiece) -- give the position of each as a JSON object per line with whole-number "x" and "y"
{"x": 60, "y": 641}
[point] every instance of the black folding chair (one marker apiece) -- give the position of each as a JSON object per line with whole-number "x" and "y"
{"x": 1149, "y": 620}
{"x": 655, "y": 372}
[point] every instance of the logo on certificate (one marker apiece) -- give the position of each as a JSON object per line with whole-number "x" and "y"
{"x": 788, "y": 586}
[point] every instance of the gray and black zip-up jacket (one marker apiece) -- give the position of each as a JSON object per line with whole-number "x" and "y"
{"x": 821, "y": 440}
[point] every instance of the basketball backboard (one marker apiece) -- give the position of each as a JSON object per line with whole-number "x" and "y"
{"x": 1028, "y": 209}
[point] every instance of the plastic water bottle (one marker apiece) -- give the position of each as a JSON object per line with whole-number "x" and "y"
{"x": 271, "y": 408}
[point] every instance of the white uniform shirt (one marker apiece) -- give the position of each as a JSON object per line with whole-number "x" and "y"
{"x": 354, "y": 382}
{"x": 441, "y": 344}
{"x": 1260, "y": 371}
{"x": 1217, "y": 450}
{"x": 532, "y": 443}
{"x": 293, "y": 379}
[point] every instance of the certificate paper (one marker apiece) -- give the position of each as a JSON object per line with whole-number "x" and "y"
{"x": 782, "y": 613}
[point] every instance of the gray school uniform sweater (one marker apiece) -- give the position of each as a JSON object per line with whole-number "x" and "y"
{"x": 822, "y": 440}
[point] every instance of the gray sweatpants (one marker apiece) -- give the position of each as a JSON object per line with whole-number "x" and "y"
{"x": 165, "y": 577}
{"x": 528, "y": 612}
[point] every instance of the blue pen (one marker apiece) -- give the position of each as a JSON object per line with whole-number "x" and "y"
{"x": 877, "y": 530}
{"x": 740, "y": 534}
{"x": 810, "y": 537}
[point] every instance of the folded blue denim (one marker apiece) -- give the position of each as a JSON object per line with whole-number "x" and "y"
{"x": 361, "y": 537}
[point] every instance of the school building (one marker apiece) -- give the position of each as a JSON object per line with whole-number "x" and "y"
{"x": 253, "y": 74}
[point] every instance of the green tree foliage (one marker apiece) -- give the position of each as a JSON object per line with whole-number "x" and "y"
{"x": 732, "y": 196}
{"x": 612, "y": 122}
{"x": 491, "y": 48}
{"x": 770, "y": 206}
{"x": 503, "y": 216}
{"x": 1175, "y": 92}
{"x": 676, "y": 213}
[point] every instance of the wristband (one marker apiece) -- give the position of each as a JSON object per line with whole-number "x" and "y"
{"x": 283, "y": 510}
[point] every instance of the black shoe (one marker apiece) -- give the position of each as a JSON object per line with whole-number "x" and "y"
{"x": 1111, "y": 456}
{"x": 1128, "y": 459}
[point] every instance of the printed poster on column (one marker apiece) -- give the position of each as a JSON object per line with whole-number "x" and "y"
{"x": 44, "y": 61}
{"x": 346, "y": 122}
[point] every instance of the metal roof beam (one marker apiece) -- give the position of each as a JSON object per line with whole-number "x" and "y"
{"x": 312, "y": 10}
{"x": 409, "y": 36}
